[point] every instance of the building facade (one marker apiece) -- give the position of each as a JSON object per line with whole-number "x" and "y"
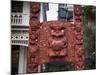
{"x": 20, "y": 14}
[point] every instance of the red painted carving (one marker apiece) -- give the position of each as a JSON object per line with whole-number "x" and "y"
{"x": 79, "y": 53}
{"x": 33, "y": 54}
{"x": 55, "y": 40}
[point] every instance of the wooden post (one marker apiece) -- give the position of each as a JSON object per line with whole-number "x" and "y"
{"x": 79, "y": 53}
{"x": 32, "y": 58}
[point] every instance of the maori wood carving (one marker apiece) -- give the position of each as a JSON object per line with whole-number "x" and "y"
{"x": 79, "y": 53}
{"x": 33, "y": 48}
{"x": 55, "y": 41}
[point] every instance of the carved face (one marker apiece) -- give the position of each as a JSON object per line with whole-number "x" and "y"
{"x": 36, "y": 7}
{"x": 57, "y": 32}
{"x": 57, "y": 41}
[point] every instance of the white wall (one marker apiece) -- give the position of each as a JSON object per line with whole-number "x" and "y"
{"x": 26, "y": 12}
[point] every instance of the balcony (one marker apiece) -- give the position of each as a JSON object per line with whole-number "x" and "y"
{"x": 20, "y": 37}
{"x": 19, "y": 19}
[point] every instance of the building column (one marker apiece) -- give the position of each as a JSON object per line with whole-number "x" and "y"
{"x": 26, "y": 12}
{"x": 22, "y": 59}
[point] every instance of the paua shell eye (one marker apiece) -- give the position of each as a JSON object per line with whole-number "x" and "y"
{"x": 52, "y": 30}
{"x": 62, "y": 30}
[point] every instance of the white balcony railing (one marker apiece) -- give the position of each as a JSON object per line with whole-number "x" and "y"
{"x": 19, "y": 37}
{"x": 19, "y": 19}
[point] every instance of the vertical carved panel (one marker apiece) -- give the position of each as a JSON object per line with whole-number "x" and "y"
{"x": 33, "y": 49}
{"x": 79, "y": 49}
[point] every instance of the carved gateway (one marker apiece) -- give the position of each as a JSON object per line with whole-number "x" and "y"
{"x": 55, "y": 41}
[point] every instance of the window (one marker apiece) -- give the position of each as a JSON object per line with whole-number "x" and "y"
{"x": 17, "y": 6}
{"x": 64, "y": 13}
{"x": 45, "y": 9}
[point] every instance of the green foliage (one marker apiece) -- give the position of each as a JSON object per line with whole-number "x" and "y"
{"x": 89, "y": 13}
